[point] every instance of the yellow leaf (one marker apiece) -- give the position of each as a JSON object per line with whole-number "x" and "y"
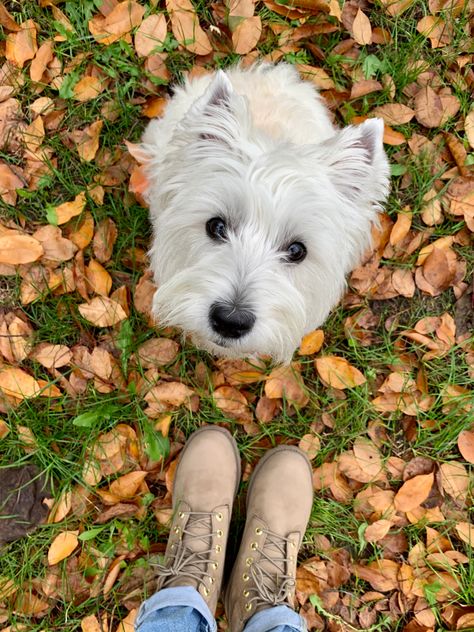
{"x": 62, "y": 546}
{"x": 312, "y": 342}
{"x": 338, "y": 373}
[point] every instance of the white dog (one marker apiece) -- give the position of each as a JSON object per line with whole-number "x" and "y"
{"x": 260, "y": 207}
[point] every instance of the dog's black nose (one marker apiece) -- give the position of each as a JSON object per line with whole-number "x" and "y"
{"x": 230, "y": 321}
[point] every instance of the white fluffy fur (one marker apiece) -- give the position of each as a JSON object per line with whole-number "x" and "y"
{"x": 257, "y": 147}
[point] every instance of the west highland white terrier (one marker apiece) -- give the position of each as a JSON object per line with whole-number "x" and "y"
{"x": 260, "y": 207}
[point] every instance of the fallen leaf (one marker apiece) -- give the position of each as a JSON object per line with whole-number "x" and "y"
{"x": 51, "y": 356}
{"x": 118, "y": 23}
{"x": 310, "y": 444}
{"x": 128, "y": 623}
{"x": 42, "y": 58}
{"x": 466, "y": 445}
{"x": 15, "y": 382}
{"x": 413, "y": 492}
{"x": 150, "y": 34}
{"x": 91, "y": 624}
{"x": 232, "y": 403}
{"x": 469, "y": 128}
{"x": 368, "y": 457}
{"x": 394, "y": 113}
{"x": 377, "y": 530}
{"x": 338, "y": 373}
{"x": 285, "y": 382}
{"x": 16, "y": 248}
{"x": 312, "y": 342}
{"x": 104, "y": 239}
{"x": 102, "y": 312}
{"x": 98, "y": 279}
{"x": 127, "y": 486}
{"x": 157, "y": 352}
{"x": 361, "y": 28}
{"x": 87, "y": 141}
{"x": 88, "y": 88}
{"x": 465, "y": 531}
{"x": 434, "y": 109}
{"x": 455, "y": 480}
{"x": 246, "y": 34}
{"x": 21, "y": 45}
{"x": 62, "y": 546}
{"x": 186, "y": 28}
{"x": 66, "y": 211}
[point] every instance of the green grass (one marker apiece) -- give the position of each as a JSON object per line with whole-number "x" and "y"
{"x": 62, "y": 447}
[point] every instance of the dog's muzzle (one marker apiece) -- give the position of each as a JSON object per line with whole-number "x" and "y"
{"x": 231, "y": 321}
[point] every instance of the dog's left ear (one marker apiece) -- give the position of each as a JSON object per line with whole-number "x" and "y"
{"x": 358, "y": 166}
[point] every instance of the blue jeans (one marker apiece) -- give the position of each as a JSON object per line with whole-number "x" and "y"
{"x": 182, "y": 609}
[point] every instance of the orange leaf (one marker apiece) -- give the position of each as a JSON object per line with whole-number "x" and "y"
{"x": 21, "y": 46}
{"x": 310, "y": 444}
{"x": 128, "y": 623}
{"x": 455, "y": 480}
{"x": 67, "y": 210}
{"x": 51, "y": 356}
{"x": 99, "y": 280}
{"x": 377, "y": 530}
{"x": 42, "y": 58}
{"x": 91, "y": 624}
{"x": 338, "y": 373}
{"x": 118, "y": 23}
{"x": 413, "y": 492}
{"x": 62, "y": 546}
{"x": 400, "y": 228}
{"x": 394, "y": 113}
{"x": 362, "y": 29}
{"x": 87, "y": 143}
{"x": 465, "y": 531}
{"x": 312, "y": 342}
{"x": 16, "y": 248}
{"x": 127, "y": 486}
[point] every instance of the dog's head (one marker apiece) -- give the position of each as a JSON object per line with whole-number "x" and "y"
{"x": 253, "y": 236}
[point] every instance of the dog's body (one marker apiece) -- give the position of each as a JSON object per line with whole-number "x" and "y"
{"x": 260, "y": 207}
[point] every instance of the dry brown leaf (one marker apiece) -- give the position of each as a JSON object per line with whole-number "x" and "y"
{"x": 246, "y": 34}
{"x": 465, "y": 622}
{"x": 9, "y": 183}
{"x": 56, "y": 248}
{"x": 338, "y": 373}
{"x": 381, "y": 574}
{"x": 87, "y": 141}
{"x": 62, "y": 546}
{"x": 68, "y": 210}
{"x": 310, "y": 444}
{"x": 62, "y": 508}
{"x": 42, "y": 58}
{"x": 413, "y": 492}
{"x": 394, "y": 113}
{"x": 469, "y": 128}
{"x": 21, "y": 45}
{"x": 150, "y": 34}
{"x": 88, "y": 88}
{"x": 312, "y": 342}
{"x": 465, "y": 531}
{"x": 16, "y": 248}
{"x": 51, "y": 356}
{"x": 437, "y": 270}
{"x": 82, "y": 233}
{"x": 436, "y": 29}
{"x": 128, "y": 623}
{"x": 157, "y": 352}
{"x": 455, "y": 480}
{"x": 186, "y": 28}
{"x": 4, "y": 429}
{"x": 128, "y": 485}
{"x": 169, "y": 395}
{"x": 102, "y": 312}
{"x": 15, "y": 382}
{"x": 233, "y": 403}
{"x": 434, "y": 109}
{"x": 401, "y": 228}
{"x": 432, "y": 213}
{"x": 318, "y": 76}
{"x": 368, "y": 457}
{"x": 377, "y": 530}
{"x": 466, "y": 445}
{"x": 118, "y": 23}
{"x": 361, "y": 28}
{"x": 396, "y": 7}
{"x": 403, "y": 283}
{"x": 104, "y": 239}
{"x": 91, "y": 624}
{"x": 286, "y": 382}
{"x": 98, "y": 279}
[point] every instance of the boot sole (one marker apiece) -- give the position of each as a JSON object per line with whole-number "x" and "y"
{"x": 231, "y": 441}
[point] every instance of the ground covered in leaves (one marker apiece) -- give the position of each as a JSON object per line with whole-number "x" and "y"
{"x": 96, "y": 402}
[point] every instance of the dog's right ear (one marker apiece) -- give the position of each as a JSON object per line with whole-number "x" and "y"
{"x": 213, "y": 116}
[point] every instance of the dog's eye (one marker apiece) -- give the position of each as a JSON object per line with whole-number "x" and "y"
{"x": 216, "y": 228}
{"x": 296, "y": 252}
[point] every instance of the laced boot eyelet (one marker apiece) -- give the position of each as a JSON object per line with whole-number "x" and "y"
{"x": 219, "y": 517}
{"x": 177, "y": 530}
{"x": 181, "y": 514}
{"x": 218, "y": 548}
{"x": 249, "y": 561}
{"x": 245, "y": 577}
{"x": 219, "y": 533}
{"x": 254, "y": 546}
{"x": 206, "y": 591}
{"x": 248, "y": 607}
{"x": 258, "y": 531}
{"x": 246, "y": 593}
{"x": 215, "y": 565}
{"x": 211, "y": 580}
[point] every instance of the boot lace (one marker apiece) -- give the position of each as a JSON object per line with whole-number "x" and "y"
{"x": 184, "y": 561}
{"x": 271, "y": 587}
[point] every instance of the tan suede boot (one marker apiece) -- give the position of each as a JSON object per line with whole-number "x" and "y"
{"x": 279, "y": 502}
{"x": 205, "y": 484}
